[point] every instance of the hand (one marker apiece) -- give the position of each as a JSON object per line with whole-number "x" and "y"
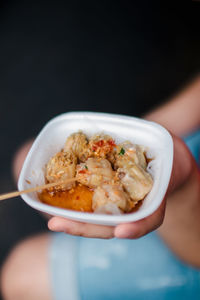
{"x": 182, "y": 168}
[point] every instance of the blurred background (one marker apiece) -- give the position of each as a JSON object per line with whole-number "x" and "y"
{"x": 110, "y": 56}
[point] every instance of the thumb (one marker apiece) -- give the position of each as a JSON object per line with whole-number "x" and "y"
{"x": 183, "y": 165}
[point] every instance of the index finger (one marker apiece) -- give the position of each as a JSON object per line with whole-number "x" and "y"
{"x": 59, "y": 224}
{"x": 127, "y": 230}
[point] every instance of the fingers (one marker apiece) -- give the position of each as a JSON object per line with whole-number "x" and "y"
{"x": 142, "y": 227}
{"x": 128, "y": 230}
{"x": 183, "y": 165}
{"x": 80, "y": 229}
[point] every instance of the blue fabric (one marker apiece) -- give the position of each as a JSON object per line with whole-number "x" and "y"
{"x": 63, "y": 266}
{"x": 193, "y": 143}
{"x": 137, "y": 269}
{"x": 134, "y": 269}
{"x": 126, "y": 269}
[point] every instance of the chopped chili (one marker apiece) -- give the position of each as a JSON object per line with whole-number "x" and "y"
{"x": 111, "y": 143}
{"x": 82, "y": 171}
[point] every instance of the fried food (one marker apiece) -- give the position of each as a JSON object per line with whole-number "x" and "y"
{"x": 94, "y": 172}
{"x": 113, "y": 178}
{"x": 61, "y": 166}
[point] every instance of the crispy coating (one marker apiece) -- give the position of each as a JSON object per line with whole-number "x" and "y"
{"x": 102, "y": 146}
{"x": 61, "y": 166}
{"x": 77, "y": 143}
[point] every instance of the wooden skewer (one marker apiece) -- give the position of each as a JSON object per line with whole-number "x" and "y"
{"x": 34, "y": 189}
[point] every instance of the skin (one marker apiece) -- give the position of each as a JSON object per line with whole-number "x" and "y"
{"x": 25, "y": 275}
{"x": 181, "y": 114}
{"x": 181, "y": 227}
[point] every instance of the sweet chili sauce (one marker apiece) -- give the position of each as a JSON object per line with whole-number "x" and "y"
{"x": 78, "y": 198}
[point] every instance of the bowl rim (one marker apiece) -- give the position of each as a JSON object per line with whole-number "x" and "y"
{"x": 92, "y": 217}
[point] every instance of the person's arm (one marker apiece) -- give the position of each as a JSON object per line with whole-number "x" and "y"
{"x": 172, "y": 116}
{"x": 181, "y": 114}
{"x": 181, "y": 226}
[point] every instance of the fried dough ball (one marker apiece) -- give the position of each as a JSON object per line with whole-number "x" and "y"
{"x": 110, "y": 198}
{"x": 101, "y": 145}
{"x": 94, "y": 172}
{"x": 131, "y": 167}
{"x": 135, "y": 180}
{"x": 78, "y": 144}
{"x": 61, "y": 166}
{"x": 130, "y": 152}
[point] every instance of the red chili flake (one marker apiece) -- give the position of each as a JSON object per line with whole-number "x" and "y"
{"x": 77, "y": 197}
{"x": 94, "y": 148}
{"x": 82, "y": 171}
{"x": 111, "y": 143}
{"x": 100, "y": 143}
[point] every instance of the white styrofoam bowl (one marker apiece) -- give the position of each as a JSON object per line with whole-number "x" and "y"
{"x": 53, "y": 136}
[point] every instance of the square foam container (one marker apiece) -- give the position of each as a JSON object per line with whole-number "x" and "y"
{"x": 51, "y": 139}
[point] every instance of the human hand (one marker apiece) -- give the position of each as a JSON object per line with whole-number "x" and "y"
{"x": 182, "y": 168}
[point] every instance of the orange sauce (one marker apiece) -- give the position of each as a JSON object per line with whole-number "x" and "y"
{"x": 137, "y": 206}
{"x": 79, "y": 198}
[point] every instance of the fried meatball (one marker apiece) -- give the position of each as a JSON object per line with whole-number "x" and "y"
{"x": 130, "y": 152}
{"x": 61, "y": 166}
{"x": 110, "y": 198}
{"x": 135, "y": 180}
{"x": 78, "y": 144}
{"x": 94, "y": 172}
{"x": 102, "y": 146}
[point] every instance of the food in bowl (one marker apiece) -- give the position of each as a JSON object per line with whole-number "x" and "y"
{"x": 110, "y": 178}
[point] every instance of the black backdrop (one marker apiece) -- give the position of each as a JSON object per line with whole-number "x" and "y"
{"x": 110, "y": 56}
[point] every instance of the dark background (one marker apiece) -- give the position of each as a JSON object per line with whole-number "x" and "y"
{"x": 110, "y": 56}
